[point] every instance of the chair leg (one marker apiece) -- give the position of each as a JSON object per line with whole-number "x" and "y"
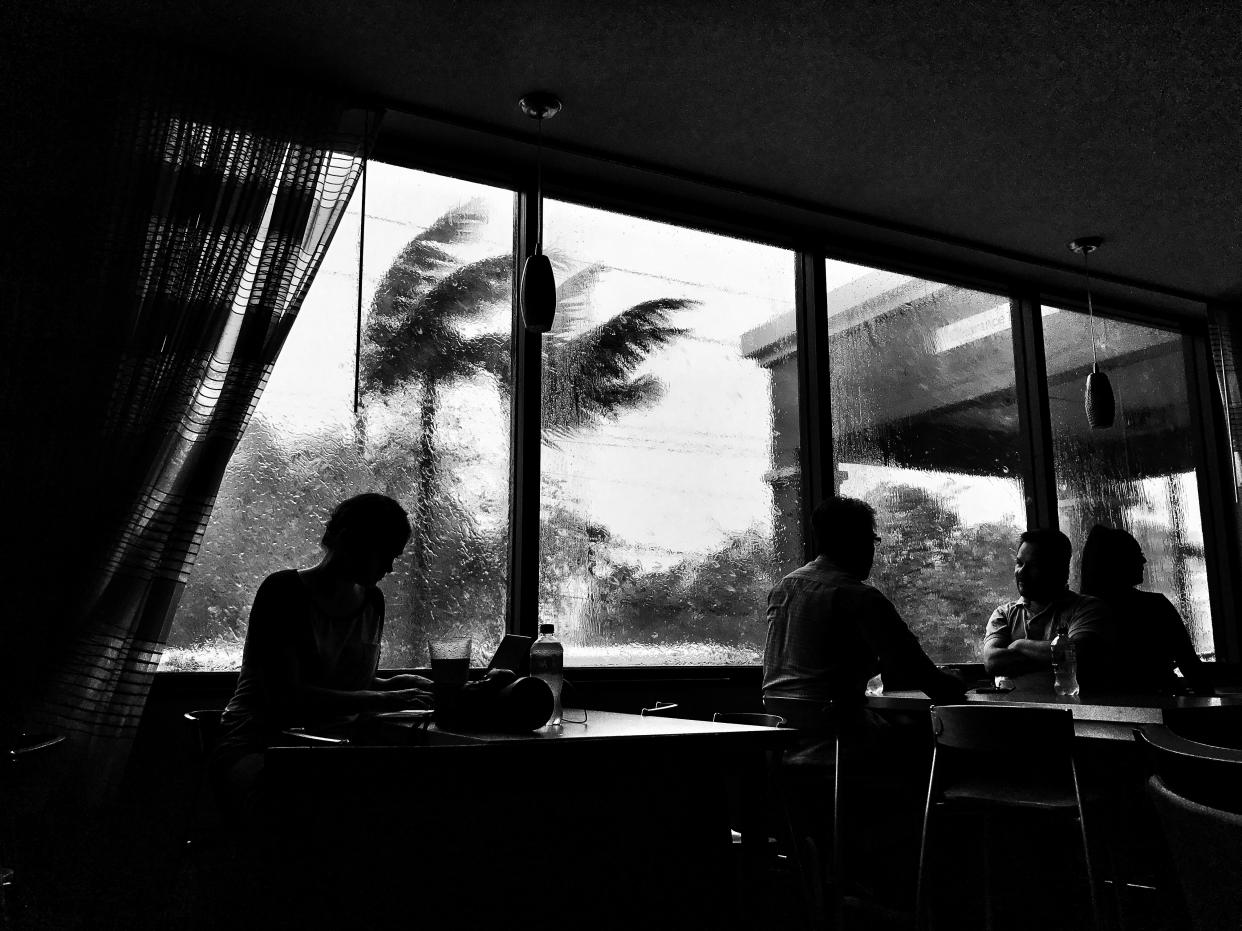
{"x": 989, "y": 918}
{"x": 1096, "y": 915}
{"x": 838, "y": 879}
{"x": 920, "y": 906}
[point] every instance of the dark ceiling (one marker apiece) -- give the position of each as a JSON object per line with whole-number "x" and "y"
{"x": 1019, "y": 126}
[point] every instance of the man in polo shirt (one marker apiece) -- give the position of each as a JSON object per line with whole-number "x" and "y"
{"x": 1018, "y": 639}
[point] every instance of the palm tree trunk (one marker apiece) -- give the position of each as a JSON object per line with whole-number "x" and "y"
{"x": 426, "y": 480}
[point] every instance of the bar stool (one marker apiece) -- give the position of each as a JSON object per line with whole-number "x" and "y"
{"x": 820, "y": 877}
{"x": 994, "y": 757}
{"x": 22, "y": 750}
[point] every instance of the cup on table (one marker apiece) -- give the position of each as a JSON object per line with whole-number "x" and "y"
{"x": 450, "y": 665}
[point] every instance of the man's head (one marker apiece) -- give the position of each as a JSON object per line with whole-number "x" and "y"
{"x": 1041, "y": 566}
{"x": 844, "y": 530}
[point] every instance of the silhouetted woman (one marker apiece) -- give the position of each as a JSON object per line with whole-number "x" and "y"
{"x": 1151, "y": 638}
{"x": 313, "y": 643}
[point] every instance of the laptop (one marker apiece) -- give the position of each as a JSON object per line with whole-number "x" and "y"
{"x": 512, "y": 654}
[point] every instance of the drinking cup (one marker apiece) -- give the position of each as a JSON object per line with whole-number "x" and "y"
{"x": 450, "y": 663}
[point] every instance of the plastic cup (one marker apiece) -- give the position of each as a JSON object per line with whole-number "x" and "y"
{"x": 450, "y": 662}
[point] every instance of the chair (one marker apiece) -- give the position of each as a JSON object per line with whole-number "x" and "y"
{"x": 1219, "y": 726}
{"x": 662, "y": 709}
{"x": 989, "y": 758}
{"x": 204, "y": 725}
{"x": 821, "y": 881}
{"x": 1206, "y": 844}
{"x": 754, "y": 719}
{"x": 22, "y": 750}
{"x": 1207, "y": 774}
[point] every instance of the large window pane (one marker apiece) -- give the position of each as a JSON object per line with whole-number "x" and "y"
{"x": 925, "y": 428}
{"x": 1139, "y": 474}
{"x": 670, "y": 488}
{"x": 432, "y": 428}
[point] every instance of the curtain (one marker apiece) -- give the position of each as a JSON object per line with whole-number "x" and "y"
{"x": 222, "y": 193}
{"x": 1225, "y": 334}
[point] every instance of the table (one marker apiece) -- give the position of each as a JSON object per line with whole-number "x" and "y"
{"x": 1103, "y": 717}
{"x": 626, "y": 816}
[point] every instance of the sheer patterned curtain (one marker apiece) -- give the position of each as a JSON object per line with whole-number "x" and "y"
{"x": 225, "y": 191}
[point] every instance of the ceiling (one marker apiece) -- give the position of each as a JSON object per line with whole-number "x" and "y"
{"x": 1016, "y": 126}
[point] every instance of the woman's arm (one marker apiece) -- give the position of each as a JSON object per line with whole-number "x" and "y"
{"x": 407, "y": 680}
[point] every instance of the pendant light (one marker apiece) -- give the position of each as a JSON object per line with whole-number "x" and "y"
{"x": 538, "y": 290}
{"x": 1098, "y": 397}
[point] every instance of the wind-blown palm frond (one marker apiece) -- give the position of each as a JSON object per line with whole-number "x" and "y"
{"x": 424, "y": 260}
{"x": 573, "y": 298}
{"x": 457, "y": 225}
{"x": 589, "y": 377}
{"x": 421, "y": 339}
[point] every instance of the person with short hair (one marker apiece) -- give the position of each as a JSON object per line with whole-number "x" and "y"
{"x": 1018, "y": 637}
{"x": 1151, "y": 637}
{"x": 829, "y": 631}
{"x": 313, "y": 644}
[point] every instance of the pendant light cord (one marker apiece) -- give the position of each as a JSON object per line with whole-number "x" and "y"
{"x": 539, "y": 186}
{"x": 1095, "y": 364}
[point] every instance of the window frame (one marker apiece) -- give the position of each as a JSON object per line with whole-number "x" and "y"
{"x": 817, "y": 234}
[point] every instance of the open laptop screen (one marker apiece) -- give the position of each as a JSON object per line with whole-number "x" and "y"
{"x": 512, "y": 654}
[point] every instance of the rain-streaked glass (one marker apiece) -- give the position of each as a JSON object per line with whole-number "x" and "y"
{"x": 1139, "y": 474}
{"x": 925, "y": 429}
{"x": 432, "y": 428}
{"x": 670, "y": 483}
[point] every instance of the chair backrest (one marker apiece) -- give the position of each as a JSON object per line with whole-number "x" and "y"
{"x": 205, "y": 726}
{"x": 806, "y": 714}
{"x": 660, "y": 709}
{"x": 1201, "y": 772}
{"x": 1017, "y": 747}
{"x": 1003, "y": 729}
{"x": 1220, "y": 726}
{"x": 1206, "y": 848}
{"x": 747, "y": 717}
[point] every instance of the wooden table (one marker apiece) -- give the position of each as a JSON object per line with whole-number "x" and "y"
{"x": 625, "y": 816}
{"x": 1104, "y": 717}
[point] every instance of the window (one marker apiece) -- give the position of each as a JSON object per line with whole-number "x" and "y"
{"x": 670, "y": 497}
{"x": 1140, "y": 474}
{"x": 925, "y": 428}
{"x": 432, "y": 426}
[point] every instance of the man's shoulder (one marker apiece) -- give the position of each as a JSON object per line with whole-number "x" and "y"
{"x": 1008, "y": 608}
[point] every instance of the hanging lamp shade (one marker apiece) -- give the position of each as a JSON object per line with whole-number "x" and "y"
{"x": 537, "y": 293}
{"x": 1097, "y": 399}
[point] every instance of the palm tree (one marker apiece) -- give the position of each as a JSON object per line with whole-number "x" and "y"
{"x": 417, "y": 340}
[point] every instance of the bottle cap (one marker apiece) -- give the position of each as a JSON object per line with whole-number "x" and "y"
{"x": 546, "y": 628}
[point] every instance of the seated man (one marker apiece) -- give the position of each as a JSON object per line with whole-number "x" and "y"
{"x": 1018, "y": 638}
{"x": 829, "y": 631}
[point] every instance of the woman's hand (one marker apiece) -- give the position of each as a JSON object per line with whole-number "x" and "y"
{"x": 402, "y": 699}
{"x": 406, "y": 680}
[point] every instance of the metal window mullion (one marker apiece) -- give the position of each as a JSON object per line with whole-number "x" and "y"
{"x": 1034, "y": 417}
{"x": 1216, "y": 504}
{"x": 814, "y": 395}
{"x": 522, "y": 606}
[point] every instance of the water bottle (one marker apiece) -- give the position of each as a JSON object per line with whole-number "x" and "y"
{"x": 1064, "y": 667}
{"x": 547, "y": 662}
